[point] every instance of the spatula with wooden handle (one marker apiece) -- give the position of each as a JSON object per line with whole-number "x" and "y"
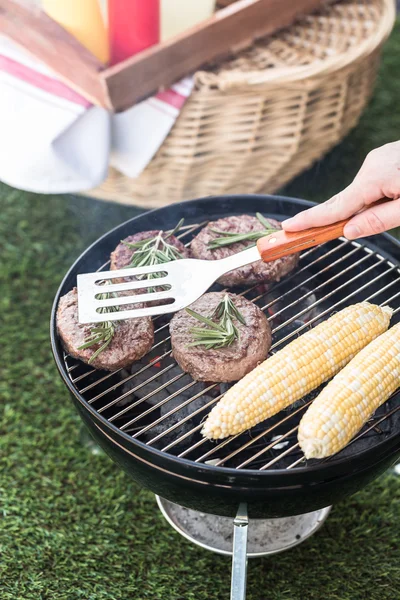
{"x": 182, "y": 281}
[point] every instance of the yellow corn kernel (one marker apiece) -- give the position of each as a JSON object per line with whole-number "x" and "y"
{"x": 348, "y": 401}
{"x": 297, "y": 369}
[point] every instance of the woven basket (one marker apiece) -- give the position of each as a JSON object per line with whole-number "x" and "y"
{"x": 257, "y": 120}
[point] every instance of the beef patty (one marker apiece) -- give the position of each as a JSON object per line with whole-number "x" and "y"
{"x": 132, "y": 339}
{"x": 122, "y": 255}
{"x": 223, "y": 364}
{"x": 252, "y": 274}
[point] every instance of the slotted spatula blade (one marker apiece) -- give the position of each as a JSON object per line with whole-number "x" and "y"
{"x": 184, "y": 281}
{"x": 180, "y": 282}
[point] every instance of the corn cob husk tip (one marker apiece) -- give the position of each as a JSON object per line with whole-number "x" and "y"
{"x": 210, "y": 434}
{"x": 312, "y": 448}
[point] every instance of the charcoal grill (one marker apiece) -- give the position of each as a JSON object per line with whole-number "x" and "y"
{"x": 148, "y": 418}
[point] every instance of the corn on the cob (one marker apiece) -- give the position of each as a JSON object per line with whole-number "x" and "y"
{"x": 347, "y": 402}
{"x": 297, "y": 369}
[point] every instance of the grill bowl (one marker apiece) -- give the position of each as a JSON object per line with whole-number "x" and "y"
{"x": 275, "y": 490}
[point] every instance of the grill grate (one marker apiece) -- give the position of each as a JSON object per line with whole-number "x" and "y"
{"x": 163, "y": 407}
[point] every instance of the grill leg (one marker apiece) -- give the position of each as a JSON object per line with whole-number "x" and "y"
{"x": 239, "y": 557}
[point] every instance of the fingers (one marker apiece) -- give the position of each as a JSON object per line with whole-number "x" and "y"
{"x": 376, "y": 219}
{"x": 378, "y": 177}
{"x": 343, "y": 205}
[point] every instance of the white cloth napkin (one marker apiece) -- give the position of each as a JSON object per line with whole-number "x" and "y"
{"x": 138, "y": 132}
{"x": 52, "y": 140}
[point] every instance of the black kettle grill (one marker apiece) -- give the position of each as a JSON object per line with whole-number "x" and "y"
{"x": 148, "y": 418}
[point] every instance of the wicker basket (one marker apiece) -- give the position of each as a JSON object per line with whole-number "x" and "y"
{"x": 257, "y": 120}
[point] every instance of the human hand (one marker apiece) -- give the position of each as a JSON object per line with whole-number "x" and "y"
{"x": 378, "y": 177}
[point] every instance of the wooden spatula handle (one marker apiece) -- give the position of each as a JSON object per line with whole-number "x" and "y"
{"x": 282, "y": 243}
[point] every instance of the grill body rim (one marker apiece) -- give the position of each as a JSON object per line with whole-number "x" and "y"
{"x": 182, "y": 467}
{"x": 266, "y": 498}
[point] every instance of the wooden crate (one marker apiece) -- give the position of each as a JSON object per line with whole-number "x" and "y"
{"x": 118, "y": 87}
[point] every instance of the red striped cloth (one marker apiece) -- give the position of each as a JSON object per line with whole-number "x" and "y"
{"x": 54, "y": 140}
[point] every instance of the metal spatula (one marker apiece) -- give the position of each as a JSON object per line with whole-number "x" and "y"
{"x": 183, "y": 281}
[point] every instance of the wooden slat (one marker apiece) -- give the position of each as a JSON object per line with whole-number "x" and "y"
{"x": 33, "y": 30}
{"x": 229, "y": 30}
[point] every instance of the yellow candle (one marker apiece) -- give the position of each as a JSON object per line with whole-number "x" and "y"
{"x": 83, "y": 19}
{"x": 178, "y": 15}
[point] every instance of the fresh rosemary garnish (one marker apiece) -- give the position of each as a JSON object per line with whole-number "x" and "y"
{"x": 154, "y": 251}
{"x": 220, "y": 333}
{"x": 101, "y": 333}
{"x": 227, "y": 238}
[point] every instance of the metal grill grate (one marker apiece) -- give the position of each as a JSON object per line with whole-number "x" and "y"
{"x": 163, "y": 407}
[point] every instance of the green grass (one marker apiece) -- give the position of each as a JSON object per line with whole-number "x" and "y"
{"x": 72, "y": 525}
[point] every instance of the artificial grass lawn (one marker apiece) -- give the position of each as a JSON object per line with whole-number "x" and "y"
{"x": 73, "y": 526}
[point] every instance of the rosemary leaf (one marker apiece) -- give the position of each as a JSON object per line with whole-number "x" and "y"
{"x": 227, "y": 238}
{"x": 90, "y": 342}
{"x": 238, "y": 315}
{"x": 222, "y": 241}
{"x": 176, "y": 228}
{"x": 201, "y": 332}
{"x": 101, "y": 333}
{"x": 99, "y": 350}
{"x": 225, "y": 233}
{"x": 133, "y": 245}
{"x": 217, "y": 334}
{"x": 266, "y": 223}
{"x": 154, "y": 251}
{"x": 144, "y": 245}
{"x": 204, "y": 320}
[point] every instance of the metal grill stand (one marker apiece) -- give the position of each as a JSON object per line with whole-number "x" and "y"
{"x": 241, "y": 538}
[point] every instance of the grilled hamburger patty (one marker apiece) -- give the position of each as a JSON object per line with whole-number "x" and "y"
{"x": 122, "y": 255}
{"x": 223, "y": 364}
{"x": 249, "y": 274}
{"x": 132, "y": 339}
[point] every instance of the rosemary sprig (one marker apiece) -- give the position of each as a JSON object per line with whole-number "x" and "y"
{"x": 101, "y": 333}
{"x": 227, "y": 238}
{"x": 154, "y": 251}
{"x": 217, "y": 334}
